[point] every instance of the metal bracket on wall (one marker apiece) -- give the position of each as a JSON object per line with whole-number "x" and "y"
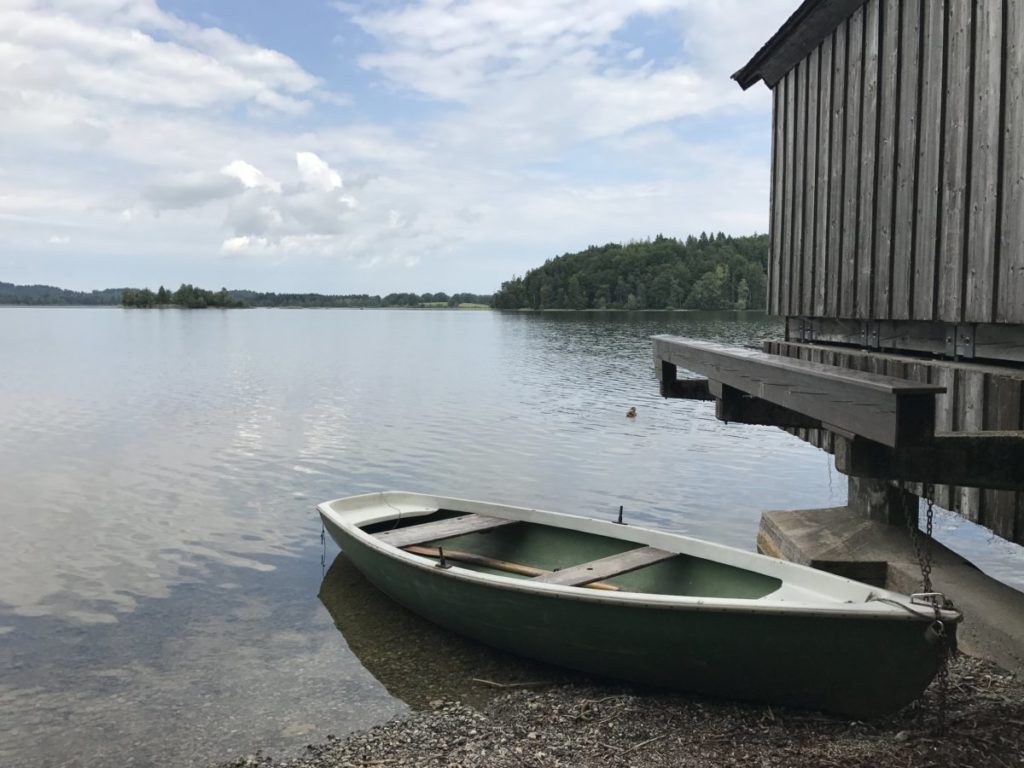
{"x": 804, "y": 330}
{"x": 869, "y": 334}
{"x": 960, "y": 341}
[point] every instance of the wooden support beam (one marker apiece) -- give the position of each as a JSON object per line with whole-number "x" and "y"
{"x": 737, "y": 407}
{"x": 967, "y": 341}
{"x": 687, "y": 389}
{"x": 972, "y": 460}
{"x": 884, "y": 409}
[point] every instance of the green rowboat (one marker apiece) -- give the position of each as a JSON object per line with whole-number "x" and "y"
{"x": 644, "y": 605}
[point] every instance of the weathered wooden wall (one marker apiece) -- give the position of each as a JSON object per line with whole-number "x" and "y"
{"x": 898, "y": 167}
{"x": 978, "y": 398}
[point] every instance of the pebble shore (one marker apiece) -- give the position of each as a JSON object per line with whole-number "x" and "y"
{"x": 604, "y": 726}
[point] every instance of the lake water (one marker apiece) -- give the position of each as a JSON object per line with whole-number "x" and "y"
{"x": 160, "y": 556}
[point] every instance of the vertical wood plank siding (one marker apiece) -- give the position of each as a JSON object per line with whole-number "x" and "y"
{"x": 788, "y": 152}
{"x": 884, "y": 192}
{"x": 778, "y": 179}
{"x": 864, "y": 262}
{"x": 835, "y": 195}
{"x": 928, "y": 161}
{"x": 898, "y": 167}
{"x": 792, "y": 296}
{"x": 954, "y": 160}
{"x": 808, "y": 267}
{"x": 1010, "y": 304}
{"x": 978, "y": 398}
{"x": 906, "y": 159}
{"x": 824, "y": 174}
{"x": 984, "y": 143}
{"x": 852, "y": 163}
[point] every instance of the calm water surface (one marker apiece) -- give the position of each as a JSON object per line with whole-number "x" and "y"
{"x": 160, "y": 557}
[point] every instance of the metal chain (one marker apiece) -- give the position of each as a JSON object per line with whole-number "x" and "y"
{"x": 938, "y": 602}
{"x": 323, "y": 550}
{"x": 924, "y": 558}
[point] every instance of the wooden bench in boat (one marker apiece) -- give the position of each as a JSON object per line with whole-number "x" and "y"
{"x": 441, "y": 529}
{"x": 472, "y": 558}
{"x": 606, "y": 567}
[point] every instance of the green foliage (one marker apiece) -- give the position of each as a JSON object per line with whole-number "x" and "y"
{"x": 709, "y": 272}
{"x": 47, "y": 295}
{"x": 187, "y": 296}
{"x": 196, "y": 298}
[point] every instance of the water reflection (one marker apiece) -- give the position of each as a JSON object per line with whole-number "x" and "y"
{"x": 415, "y": 660}
{"x": 159, "y": 556}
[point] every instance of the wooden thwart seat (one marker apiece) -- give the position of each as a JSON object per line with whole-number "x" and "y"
{"x": 491, "y": 562}
{"x": 441, "y": 529}
{"x": 606, "y": 567}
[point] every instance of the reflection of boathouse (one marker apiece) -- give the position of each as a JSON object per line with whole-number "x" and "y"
{"x": 897, "y": 261}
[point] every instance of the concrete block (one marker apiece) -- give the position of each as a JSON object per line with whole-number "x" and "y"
{"x": 842, "y": 540}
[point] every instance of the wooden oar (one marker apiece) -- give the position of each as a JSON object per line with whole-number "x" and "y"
{"x": 497, "y": 565}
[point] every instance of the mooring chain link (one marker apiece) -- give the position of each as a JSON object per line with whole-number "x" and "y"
{"x": 937, "y": 630}
{"x": 323, "y": 549}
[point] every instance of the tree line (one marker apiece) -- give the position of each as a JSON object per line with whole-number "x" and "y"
{"x": 48, "y": 295}
{"x": 186, "y": 296}
{"x": 363, "y": 300}
{"x": 192, "y": 297}
{"x": 705, "y": 272}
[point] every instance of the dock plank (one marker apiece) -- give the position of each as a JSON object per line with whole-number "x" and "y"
{"x": 885, "y": 409}
{"x": 606, "y": 567}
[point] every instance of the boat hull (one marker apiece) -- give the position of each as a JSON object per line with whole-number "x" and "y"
{"x": 859, "y": 667}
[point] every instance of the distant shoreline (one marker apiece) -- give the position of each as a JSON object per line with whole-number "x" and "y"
{"x": 5, "y": 305}
{"x": 522, "y": 310}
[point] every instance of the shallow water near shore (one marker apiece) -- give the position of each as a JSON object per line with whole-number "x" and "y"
{"x": 161, "y": 560}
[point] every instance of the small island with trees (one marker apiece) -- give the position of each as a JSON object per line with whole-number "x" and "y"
{"x": 187, "y": 296}
{"x": 190, "y": 297}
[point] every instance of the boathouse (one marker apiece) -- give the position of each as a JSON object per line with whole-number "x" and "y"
{"x": 897, "y": 262}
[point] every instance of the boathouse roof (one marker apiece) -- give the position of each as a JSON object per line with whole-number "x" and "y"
{"x": 801, "y": 33}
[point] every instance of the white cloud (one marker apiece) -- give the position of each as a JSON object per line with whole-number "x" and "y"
{"x": 249, "y": 175}
{"x": 550, "y": 125}
{"x": 454, "y": 50}
{"x": 59, "y": 240}
{"x": 90, "y": 59}
{"x": 315, "y": 173}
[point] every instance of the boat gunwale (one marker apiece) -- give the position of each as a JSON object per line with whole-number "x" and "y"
{"x": 425, "y": 504}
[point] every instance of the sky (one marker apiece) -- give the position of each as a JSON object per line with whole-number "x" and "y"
{"x": 369, "y": 147}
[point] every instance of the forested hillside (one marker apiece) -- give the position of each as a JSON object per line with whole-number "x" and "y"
{"x": 49, "y": 295}
{"x": 706, "y": 272}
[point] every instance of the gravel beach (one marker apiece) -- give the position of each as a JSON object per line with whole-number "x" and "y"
{"x": 609, "y": 726}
